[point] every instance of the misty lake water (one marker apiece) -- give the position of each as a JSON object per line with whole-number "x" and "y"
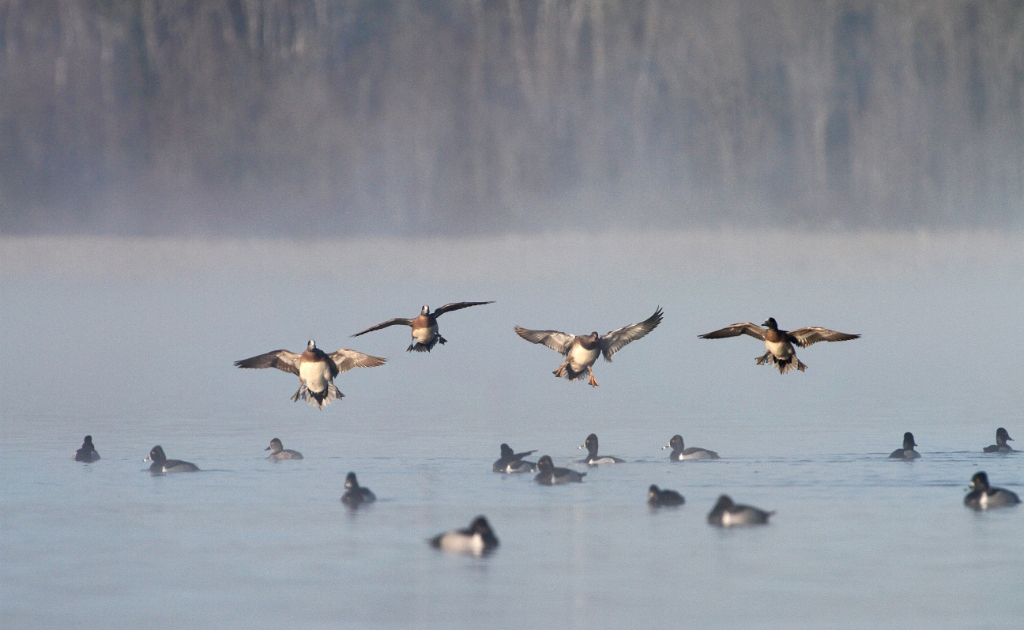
{"x": 132, "y": 341}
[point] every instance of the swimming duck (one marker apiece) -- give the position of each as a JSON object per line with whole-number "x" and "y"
{"x": 592, "y": 457}
{"x": 315, "y": 368}
{"x": 424, "y": 327}
{"x": 356, "y": 495}
{"x": 907, "y": 452}
{"x": 549, "y": 475}
{"x": 1001, "y": 446}
{"x": 982, "y": 496}
{"x": 280, "y": 452}
{"x": 163, "y": 465}
{"x": 87, "y": 453}
{"x": 512, "y": 462}
{"x": 728, "y": 514}
{"x": 679, "y": 452}
{"x": 477, "y": 539}
{"x": 663, "y": 498}
{"x": 581, "y": 351}
{"x": 779, "y": 343}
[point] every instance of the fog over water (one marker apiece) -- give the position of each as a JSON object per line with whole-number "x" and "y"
{"x": 182, "y": 299}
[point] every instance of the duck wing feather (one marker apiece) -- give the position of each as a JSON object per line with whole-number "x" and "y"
{"x": 557, "y": 341}
{"x": 812, "y": 334}
{"x": 615, "y": 340}
{"x": 348, "y": 359}
{"x": 454, "y": 306}
{"x": 280, "y": 359}
{"x": 743, "y": 328}
{"x": 390, "y": 322}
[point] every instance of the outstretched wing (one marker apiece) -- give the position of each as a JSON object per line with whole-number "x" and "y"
{"x": 454, "y": 306}
{"x": 614, "y": 341}
{"x": 812, "y": 334}
{"x": 746, "y": 328}
{"x": 557, "y": 341}
{"x": 390, "y": 322}
{"x": 280, "y": 359}
{"x": 348, "y": 359}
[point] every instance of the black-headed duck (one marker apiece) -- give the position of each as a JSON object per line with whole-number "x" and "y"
{"x": 88, "y": 452}
{"x": 1001, "y": 446}
{"x": 680, "y": 452}
{"x": 907, "y": 452}
{"x": 356, "y": 495}
{"x": 657, "y": 497}
{"x": 592, "y": 457}
{"x": 729, "y": 514}
{"x": 550, "y": 475}
{"x": 512, "y": 462}
{"x": 983, "y": 496}
{"x": 478, "y": 539}
{"x": 163, "y": 465}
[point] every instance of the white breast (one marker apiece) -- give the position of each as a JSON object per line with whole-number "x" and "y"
{"x": 779, "y": 349}
{"x": 424, "y": 335}
{"x": 580, "y": 358}
{"x": 315, "y": 376}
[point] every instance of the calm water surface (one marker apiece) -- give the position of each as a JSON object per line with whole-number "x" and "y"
{"x": 139, "y": 352}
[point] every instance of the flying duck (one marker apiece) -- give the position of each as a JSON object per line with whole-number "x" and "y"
{"x": 280, "y": 452}
{"x": 549, "y": 475}
{"x": 512, "y": 462}
{"x": 982, "y": 496}
{"x": 87, "y": 453}
{"x": 315, "y": 368}
{"x": 477, "y": 539}
{"x": 779, "y": 343}
{"x": 663, "y": 498}
{"x": 907, "y": 452}
{"x": 728, "y": 514}
{"x": 356, "y": 495}
{"x": 581, "y": 351}
{"x": 679, "y": 452}
{"x": 424, "y": 327}
{"x": 592, "y": 457}
{"x": 1001, "y": 446}
{"x": 163, "y": 465}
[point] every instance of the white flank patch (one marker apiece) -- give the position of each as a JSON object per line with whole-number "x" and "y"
{"x": 461, "y": 543}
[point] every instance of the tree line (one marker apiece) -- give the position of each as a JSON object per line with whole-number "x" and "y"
{"x": 325, "y": 117}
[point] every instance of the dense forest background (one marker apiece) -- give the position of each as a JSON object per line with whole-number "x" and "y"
{"x": 334, "y": 117}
